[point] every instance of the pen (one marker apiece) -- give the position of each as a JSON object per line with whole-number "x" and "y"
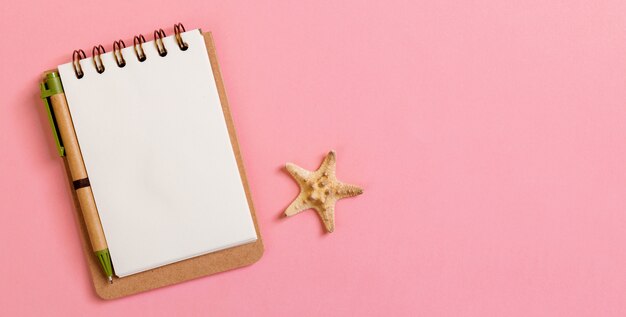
{"x": 61, "y": 114}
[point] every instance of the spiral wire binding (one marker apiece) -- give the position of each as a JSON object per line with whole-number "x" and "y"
{"x": 179, "y": 28}
{"x": 97, "y": 59}
{"x": 138, "y": 41}
{"x": 158, "y": 42}
{"x": 76, "y": 57}
{"x": 117, "y": 53}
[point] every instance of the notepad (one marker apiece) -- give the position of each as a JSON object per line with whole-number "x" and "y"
{"x": 158, "y": 154}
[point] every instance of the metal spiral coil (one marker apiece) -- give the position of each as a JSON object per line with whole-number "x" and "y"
{"x": 178, "y": 29}
{"x": 138, "y": 42}
{"x": 117, "y": 53}
{"x": 96, "y": 52}
{"x": 158, "y": 42}
{"x": 76, "y": 57}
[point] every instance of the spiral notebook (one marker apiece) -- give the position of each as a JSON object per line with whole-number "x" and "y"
{"x": 158, "y": 144}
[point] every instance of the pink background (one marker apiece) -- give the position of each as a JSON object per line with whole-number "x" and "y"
{"x": 489, "y": 138}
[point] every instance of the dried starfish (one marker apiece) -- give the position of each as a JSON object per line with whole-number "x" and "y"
{"x": 320, "y": 190}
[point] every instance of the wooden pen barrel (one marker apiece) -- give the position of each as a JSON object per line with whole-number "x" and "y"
{"x": 78, "y": 172}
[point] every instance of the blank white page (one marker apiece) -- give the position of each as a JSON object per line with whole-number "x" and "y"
{"x": 158, "y": 155}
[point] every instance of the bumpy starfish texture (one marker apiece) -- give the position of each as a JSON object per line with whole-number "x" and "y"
{"x": 320, "y": 190}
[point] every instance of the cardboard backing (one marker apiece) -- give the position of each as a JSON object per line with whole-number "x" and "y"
{"x": 200, "y": 266}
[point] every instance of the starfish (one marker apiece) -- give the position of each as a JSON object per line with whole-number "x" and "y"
{"x": 320, "y": 190}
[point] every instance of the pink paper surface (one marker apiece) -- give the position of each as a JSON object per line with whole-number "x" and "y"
{"x": 490, "y": 138}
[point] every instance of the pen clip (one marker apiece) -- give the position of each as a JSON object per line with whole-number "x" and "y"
{"x": 51, "y": 85}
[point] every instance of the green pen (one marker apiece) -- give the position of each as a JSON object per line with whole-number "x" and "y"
{"x": 67, "y": 145}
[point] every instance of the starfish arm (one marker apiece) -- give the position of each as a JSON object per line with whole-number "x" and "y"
{"x": 298, "y": 205}
{"x": 299, "y": 174}
{"x": 327, "y": 214}
{"x": 343, "y": 190}
{"x": 329, "y": 164}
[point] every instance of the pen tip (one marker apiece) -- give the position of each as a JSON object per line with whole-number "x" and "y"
{"x": 110, "y": 280}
